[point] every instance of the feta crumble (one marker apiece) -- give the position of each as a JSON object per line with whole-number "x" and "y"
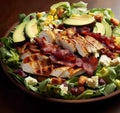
{"x": 92, "y": 82}
{"x": 105, "y": 60}
{"x": 64, "y": 89}
{"x": 31, "y": 81}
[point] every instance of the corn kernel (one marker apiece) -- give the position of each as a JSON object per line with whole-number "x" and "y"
{"x": 39, "y": 15}
{"x": 53, "y": 23}
{"x": 55, "y": 17}
{"x": 52, "y": 11}
{"x": 47, "y": 22}
{"x": 49, "y": 17}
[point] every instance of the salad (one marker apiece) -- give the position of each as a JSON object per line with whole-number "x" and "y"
{"x": 68, "y": 52}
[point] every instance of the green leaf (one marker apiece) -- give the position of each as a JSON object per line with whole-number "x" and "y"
{"x": 19, "y": 78}
{"x": 10, "y": 57}
{"x": 63, "y": 5}
{"x": 116, "y": 31}
{"x": 31, "y": 83}
{"x": 79, "y": 4}
{"x": 79, "y": 8}
{"x": 86, "y": 94}
{"x": 68, "y": 96}
{"x": 107, "y": 12}
{"x": 43, "y": 85}
{"x": 7, "y": 42}
{"x": 22, "y": 17}
{"x": 109, "y": 88}
{"x": 73, "y": 79}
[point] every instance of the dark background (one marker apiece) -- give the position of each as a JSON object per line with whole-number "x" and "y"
{"x": 15, "y": 100}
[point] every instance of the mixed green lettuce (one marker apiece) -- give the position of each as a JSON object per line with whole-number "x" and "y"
{"x": 8, "y": 53}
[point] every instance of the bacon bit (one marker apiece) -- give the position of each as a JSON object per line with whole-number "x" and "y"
{"x": 22, "y": 49}
{"x": 46, "y": 47}
{"x": 31, "y": 47}
{"x": 107, "y": 52}
{"x": 77, "y": 90}
{"x": 66, "y": 63}
{"x": 81, "y": 89}
{"x": 109, "y": 42}
{"x": 20, "y": 72}
{"x": 79, "y": 62}
{"x": 102, "y": 81}
{"x": 57, "y": 80}
{"x": 34, "y": 50}
{"x": 60, "y": 53}
{"x": 90, "y": 64}
{"x": 83, "y": 30}
{"x": 69, "y": 57}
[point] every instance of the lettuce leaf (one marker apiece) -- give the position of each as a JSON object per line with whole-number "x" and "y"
{"x": 10, "y": 57}
{"x": 107, "y": 12}
{"x": 116, "y": 31}
{"x": 79, "y": 8}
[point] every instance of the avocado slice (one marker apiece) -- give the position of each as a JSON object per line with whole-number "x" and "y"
{"x": 99, "y": 28}
{"x": 79, "y": 20}
{"x": 18, "y": 35}
{"x": 108, "y": 29}
{"x": 31, "y": 28}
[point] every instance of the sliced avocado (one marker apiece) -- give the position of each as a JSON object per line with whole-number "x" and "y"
{"x": 108, "y": 29}
{"x": 79, "y": 20}
{"x": 99, "y": 28}
{"x": 31, "y": 29}
{"x": 18, "y": 35}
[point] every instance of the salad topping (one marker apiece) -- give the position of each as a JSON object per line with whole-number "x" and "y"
{"x": 68, "y": 52}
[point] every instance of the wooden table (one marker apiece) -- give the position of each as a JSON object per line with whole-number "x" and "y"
{"x": 13, "y": 99}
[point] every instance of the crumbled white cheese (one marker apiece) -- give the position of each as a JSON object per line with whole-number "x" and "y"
{"x": 96, "y": 54}
{"x": 92, "y": 82}
{"x": 31, "y": 81}
{"x": 64, "y": 89}
{"x": 115, "y": 61}
{"x": 105, "y": 60}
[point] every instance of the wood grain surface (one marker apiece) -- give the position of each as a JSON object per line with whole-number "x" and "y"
{"x": 13, "y": 99}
